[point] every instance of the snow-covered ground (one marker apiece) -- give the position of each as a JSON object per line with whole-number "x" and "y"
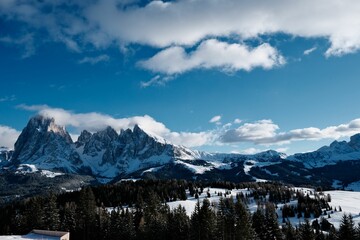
{"x": 190, "y": 203}
{"x": 253, "y": 163}
{"x": 31, "y": 168}
{"x": 348, "y": 201}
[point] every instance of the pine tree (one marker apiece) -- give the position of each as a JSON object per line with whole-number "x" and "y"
{"x": 347, "y": 228}
{"x": 115, "y": 224}
{"x": 179, "y": 224}
{"x": 51, "y": 211}
{"x": 332, "y": 234}
{"x": 102, "y": 223}
{"x": 259, "y": 223}
{"x": 34, "y": 214}
{"x": 208, "y": 221}
{"x": 195, "y": 224}
{"x": 357, "y": 230}
{"x": 155, "y": 219}
{"x": 68, "y": 222}
{"x": 243, "y": 224}
{"x": 126, "y": 225}
{"x": 306, "y": 231}
{"x": 203, "y": 222}
{"x": 289, "y": 231}
{"x": 86, "y": 213}
{"x": 272, "y": 226}
{"x": 225, "y": 219}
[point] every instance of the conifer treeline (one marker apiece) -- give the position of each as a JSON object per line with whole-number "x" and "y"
{"x": 144, "y": 215}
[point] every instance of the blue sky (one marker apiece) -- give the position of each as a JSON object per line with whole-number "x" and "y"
{"x": 269, "y": 75}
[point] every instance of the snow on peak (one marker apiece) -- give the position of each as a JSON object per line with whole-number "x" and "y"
{"x": 336, "y": 151}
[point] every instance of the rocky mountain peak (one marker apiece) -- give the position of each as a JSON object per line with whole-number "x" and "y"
{"x": 41, "y": 125}
{"x": 99, "y": 141}
{"x": 134, "y": 135}
{"x": 43, "y": 138}
{"x": 83, "y": 138}
{"x": 138, "y": 130}
{"x": 355, "y": 141}
{"x": 270, "y": 155}
{"x": 108, "y": 132}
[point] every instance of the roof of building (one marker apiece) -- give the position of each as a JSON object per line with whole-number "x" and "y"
{"x": 37, "y": 234}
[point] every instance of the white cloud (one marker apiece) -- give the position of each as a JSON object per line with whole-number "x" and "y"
{"x": 237, "y": 121}
{"x": 8, "y": 136}
{"x": 263, "y": 132}
{"x": 251, "y": 151}
{"x": 96, "y": 121}
{"x": 215, "y": 119}
{"x": 161, "y": 24}
{"x": 187, "y": 22}
{"x": 251, "y": 132}
{"x": 212, "y": 53}
{"x": 266, "y": 132}
{"x": 310, "y": 50}
{"x": 95, "y": 60}
{"x": 282, "y": 150}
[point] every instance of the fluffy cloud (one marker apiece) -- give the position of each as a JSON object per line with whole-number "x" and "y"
{"x": 187, "y": 22}
{"x": 266, "y": 132}
{"x": 8, "y": 136}
{"x": 251, "y": 151}
{"x": 213, "y": 54}
{"x": 96, "y": 121}
{"x": 263, "y": 132}
{"x": 162, "y": 24}
{"x": 237, "y": 121}
{"x": 251, "y": 132}
{"x": 215, "y": 119}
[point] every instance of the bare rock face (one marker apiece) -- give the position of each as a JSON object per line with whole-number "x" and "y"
{"x": 83, "y": 138}
{"x": 355, "y": 142}
{"x": 46, "y": 144}
{"x": 137, "y": 145}
{"x": 99, "y": 141}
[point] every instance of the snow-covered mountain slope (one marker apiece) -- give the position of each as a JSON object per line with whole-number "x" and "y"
{"x": 108, "y": 154}
{"x": 337, "y": 151}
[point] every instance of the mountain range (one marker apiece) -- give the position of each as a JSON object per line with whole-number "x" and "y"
{"x": 45, "y": 149}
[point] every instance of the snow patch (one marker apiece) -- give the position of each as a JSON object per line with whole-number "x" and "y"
{"x": 31, "y": 168}
{"x": 154, "y": 169}
{"x": 214, "y": 199}
{"x": 195, "y": 168}
{"x": 50, "y": 174}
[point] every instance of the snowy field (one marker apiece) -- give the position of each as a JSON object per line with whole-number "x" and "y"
{"x": 190, "y": 203}
{"x": 348, "y": 200}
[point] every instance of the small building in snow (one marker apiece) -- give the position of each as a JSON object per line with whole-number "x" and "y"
{"x": 39, "y": 234}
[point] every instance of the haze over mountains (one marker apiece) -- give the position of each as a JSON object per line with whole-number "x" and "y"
{"x": 107, "y": 156}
